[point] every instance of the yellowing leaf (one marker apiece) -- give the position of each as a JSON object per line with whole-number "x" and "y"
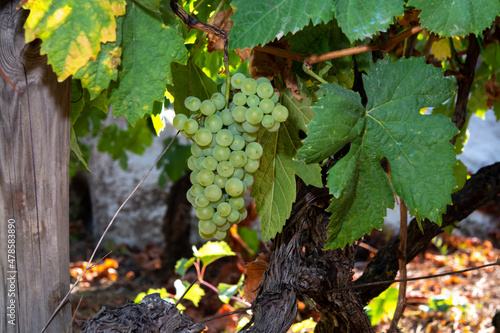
{"x": 71, "y": 30}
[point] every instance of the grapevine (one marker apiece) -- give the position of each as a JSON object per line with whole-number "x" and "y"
{"x": 225, "y": 151}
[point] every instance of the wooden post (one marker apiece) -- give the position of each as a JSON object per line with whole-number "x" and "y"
{"x": 34, "y": 157}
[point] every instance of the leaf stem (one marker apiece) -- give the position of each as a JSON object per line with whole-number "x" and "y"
{"x": 309, "y": 71}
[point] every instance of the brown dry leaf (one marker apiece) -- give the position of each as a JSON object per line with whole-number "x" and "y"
{"x": 244, "y": 54}
{"x": 223, "y": 22}
{"x": 253, "y": 276}
{"x": 263, "y": 64}
{"x": 492, "y": 90}
{"x": 409, "y": 19}
{"x": 291, "y": 83}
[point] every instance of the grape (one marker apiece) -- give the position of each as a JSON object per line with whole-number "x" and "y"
{"x": 233, "y": 128}
{"x": 217, "y": 203}
{"x": 213, "y": 193}
{"x": 218, "y": 220}
{"x": 239, "y": 173}
{"x": 266, "y": 105}
{"x": 192, "y": 103}
{"x": 249, "y": 86}
{"x": 196, "y": 151}
{"x": 207, "y": 107}
{"x": 253, "y": 150}
{"x": 225, "y": 227}
{"x": 238, "y": 158}
{"x": 213, "y": 123}
{"x": 193, "y": 177}
{"x": 220, "y": 181}
{"x": 206, "y": 236}
{"x": 265, "y": 90}
{"x": 224, "y": 138}
{"x": 238, "y": 143}
{"x": 192, "y": 163}
{"x": 275, "y": 98}
{"x": 249, "y": 137}
{"x": 239, "y": 113}
{"x": 191, "y": 126}
{"x": 225, "y": 169}
{"x": 221, "y": 153}
{"x": 234, "y": 216}
{"x": 234, "y": 187}
{"x": 254, "y": 115}
{"x": 248, "y": 180}
{"x": 179, "y": 121}
{"x": 199, "y": 163}
{"x": 243, "y": 215}
{"x": 219, "y": 100}
{"x": 210, "y": 163}
{"x": 262, "y": 79}
{"x": 203, "y": 137}
{"x": 224, "y": 209}
{"x": 206, "y": 177}
{"x": 249, "y": 128}
{"x": 208, "y": 151}
{"x": 204, "y": 213}
{"x": 342, "y": 76}
{"x": 201, "y": 200}
{"x": 250, "y": 167}
{"x": 223, "y": 88}
{"x": 220, "y": 235}
{"x": 206, "y": 226}
{"x": 237, "y": 203}
{"x": 253, "y": 100}
{"x": 227, "y": 117}
{"x": 280, "y": 113}
{"x": 275, "y": 128}
{"x": 239, "y": 98}
{"x": 236, "y": 80}
{"x": 268, "y": 121}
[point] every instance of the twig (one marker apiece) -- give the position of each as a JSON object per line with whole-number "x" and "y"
{"x": 376, "y": 283}
{"x": 401, "y": 305}
{"x": 226, "y": 314}
{"x": 212, "y": 287}
{"x": 186, "y": 291}
{"x": 89, "y": 263}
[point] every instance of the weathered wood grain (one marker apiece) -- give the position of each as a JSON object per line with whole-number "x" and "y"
{"x": 34, "y": 155}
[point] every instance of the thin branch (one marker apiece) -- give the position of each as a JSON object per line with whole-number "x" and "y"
{"x": 401, "y": 305}
{"x": 186, "y": 291}
{"x": 389, "y": 282}
{"x": 89, "y": 263}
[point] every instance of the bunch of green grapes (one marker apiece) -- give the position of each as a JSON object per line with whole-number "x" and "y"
{"x": 341, "y": 78}
{"x": 225, "y": 150}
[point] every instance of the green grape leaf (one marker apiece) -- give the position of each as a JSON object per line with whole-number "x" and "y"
{"x": 363, "y": 18}
{"x": 75, "y": 148}
{"x": 274, "y": 186}
{"x": 194, "y": 294}
{"x": 449, "y": 18}
{"x": 72, "y": 31}
{"x": 212, "y": 251}
{"x": 226, "y": 291}
{"x": 151, "y": 5}
{"x": 362, "y": 194}
{"x": 322, "y": 38}
{"x": 417, "y": 147}
{"x": 189, "y": 80}
{"x": 149, "y": 48}
{"x": 183, "y": 264}
{"x": 97, "y": 74}
{"x": 260, "y": 21}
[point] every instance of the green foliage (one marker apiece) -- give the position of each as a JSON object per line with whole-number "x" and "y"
{"x": 194, "y": 294}
{"x": 144, "y": 75}
{"x": 174, "y": 162}
{"x": 456, "y": 17}
{"x": 211, "y": 251}
{"x": 72, "y": 30}
{"x": 383, "y": 306}
{"x": 363, "y": 18}
{"x": 391, "y": 126}
{"x": 227, "y": 290}
{"x": 274, "y": 187}
{"x": 260, "y": 21}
